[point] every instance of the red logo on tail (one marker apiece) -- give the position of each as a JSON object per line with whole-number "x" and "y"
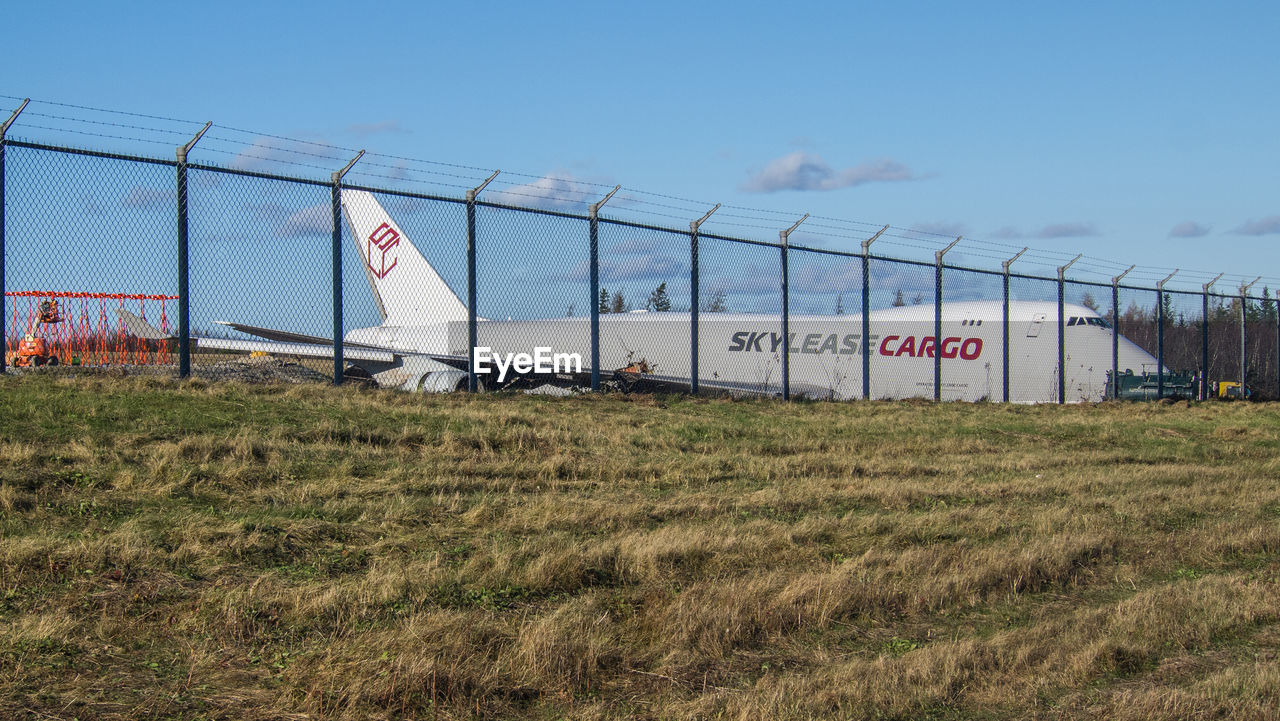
{"x": 384, "y": 239}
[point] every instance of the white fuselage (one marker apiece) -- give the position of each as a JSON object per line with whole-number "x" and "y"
{"x": 745, "y": 350}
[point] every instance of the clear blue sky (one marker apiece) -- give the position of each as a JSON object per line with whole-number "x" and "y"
{"x": 1132, "y": 132}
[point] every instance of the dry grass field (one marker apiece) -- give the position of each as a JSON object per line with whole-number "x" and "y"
{"x": 225, "y": 551}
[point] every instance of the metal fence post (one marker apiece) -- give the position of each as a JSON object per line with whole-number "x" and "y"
{"x": 786, "y": 312}
{"x": 1244, "y": 336}
{"x": 593, "y": 223}
{"x": 3, "y": 200}
{"x": 1204, "y": 341}
{"x": 4, "y": 341}
{"x": 1115, "y": 332}
{"x": 1005, "y": 349}
{"x": 472, "y": 324}
{"x": 1160, "y": 334}
{"x": 336, "y": 201}
{"x": 693, "y": 298}
{"x": 184, "y": 296}
{"x": 866, "y": 313}
{"x": 1062, "y": 337}
{"x": 937, "y": 319}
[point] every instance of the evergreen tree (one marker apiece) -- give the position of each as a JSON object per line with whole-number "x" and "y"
{"x": 658, "y": 300}
{"x": 618, "y": 304}
{"x": 1255, "y": 309}
{"x": 840, "y": 304}
{"x": 898, "y": 302}
{"x": 604, "y": 300}
{"x": 1220, "y": 311}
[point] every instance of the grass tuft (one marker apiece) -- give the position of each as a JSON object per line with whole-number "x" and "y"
{"x": 220, "y": 551}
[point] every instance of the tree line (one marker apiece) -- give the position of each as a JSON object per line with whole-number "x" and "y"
{"x": 659, "y": 301}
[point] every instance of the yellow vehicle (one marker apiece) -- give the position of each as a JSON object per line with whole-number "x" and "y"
{"x": 1231, "y": 389}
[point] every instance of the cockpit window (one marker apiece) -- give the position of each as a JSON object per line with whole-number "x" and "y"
{"x": 1076, "y": 320}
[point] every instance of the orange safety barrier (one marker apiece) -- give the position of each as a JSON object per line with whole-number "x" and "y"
{"x": 87, "y": 334}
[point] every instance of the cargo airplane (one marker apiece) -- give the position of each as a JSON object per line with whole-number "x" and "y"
{"x": 422, "y": 342}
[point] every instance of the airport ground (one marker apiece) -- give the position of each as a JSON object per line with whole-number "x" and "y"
{"x": 204, "y": 550}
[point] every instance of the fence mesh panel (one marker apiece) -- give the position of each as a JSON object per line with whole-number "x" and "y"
{"x": 1086, "y": 342}
{"x": 1182, "y": 334}
{"x": 1033, "y": 339}
{"x": 971, "y": 341}
{"x": 825, "y": 324}
{"x": 901, "y": 366}
{"x": 1267, "y": 341}
{"x": 740, "y": 327}
{"x": 1260, "y": 352}
{"x": 645, "y": 275}
{"x": 260, "y": 254}
{"x": 533, "y": 285}
{"x": 93, "y": 235}
{"x": 1224, "y": 338}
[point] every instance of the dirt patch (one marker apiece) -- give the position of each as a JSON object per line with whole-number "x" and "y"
{"x": 261, "y": 369}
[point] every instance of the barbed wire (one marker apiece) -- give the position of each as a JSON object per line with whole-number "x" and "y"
{"x": 242, "y": 154}
{"x": 367, "y": 174}
{"x": 105, "y": 110}
{"x": 574, "y": 191}
{"x": 103, "y": 122}
{"x": 91, "y": 134}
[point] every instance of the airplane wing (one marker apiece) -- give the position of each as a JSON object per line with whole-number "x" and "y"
{"x": 279, "y": 342}
{"x": 287, "y": 336}
{"x": 310, "y": 350}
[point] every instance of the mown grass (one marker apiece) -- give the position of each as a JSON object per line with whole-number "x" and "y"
{"x": 186, "y": 550}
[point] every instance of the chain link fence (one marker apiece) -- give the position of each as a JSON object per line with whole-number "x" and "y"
{"x": 176, "y": 265}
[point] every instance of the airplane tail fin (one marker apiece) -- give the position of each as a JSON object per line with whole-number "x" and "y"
{"x": 140, "y": 327}
{"x": 407, "y": 289}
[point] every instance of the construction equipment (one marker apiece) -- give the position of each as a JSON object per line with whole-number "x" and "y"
{"x": 1130, "y": 386}
{"x": 34, "y": 350}
{"x": 1232, "y": 390}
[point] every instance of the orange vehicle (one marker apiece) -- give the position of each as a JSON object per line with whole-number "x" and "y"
{"x": 34, "y": 350}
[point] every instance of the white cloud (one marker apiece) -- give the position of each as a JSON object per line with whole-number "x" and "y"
{"x": 1266, "y": 226}
{"x": 314, "y": 220}
{"x": 635, "y": 267}
{"x": 1067, "y": 230}
{"x": 140, "y": 197}
{"x": 559, "y": 190}
{"x": 806, "y": 171}
{"x": 266, "y": 152}
{"x": 1189, "y": 229}
{"x": 1048, "y": 232}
